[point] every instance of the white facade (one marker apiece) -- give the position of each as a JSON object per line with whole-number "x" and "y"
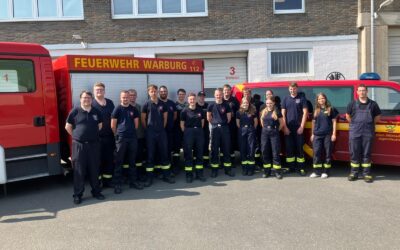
{"x": 325, "y": 54}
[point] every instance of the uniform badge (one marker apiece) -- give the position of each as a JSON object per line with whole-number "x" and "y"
{"x": 171, "y": 108}
{"x": 297, "y": 101}
{"x": 199, "y": 114}
{"x": 95, "y": 117}
{"x": 222, "y": 110}
{"x": 249, "y": 115}
{"x": 131, "y": 113}
{"x": 160, "y": 108}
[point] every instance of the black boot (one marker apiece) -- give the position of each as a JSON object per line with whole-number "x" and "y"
{"x": 167, "y": 177}
{"x": 214, "y": 172}
{"x": 278, "y": 174}
{"x": 149, "y": 179}
{"x": 189, "y": 177}
{"x": 244, "y": 169}
{"x": 266, "y": 173}
{"x": 200, "y": 176}
{"x": 175, "y": 165}
{"x": 251, "y": 169}
{"x": 229, "y": 172}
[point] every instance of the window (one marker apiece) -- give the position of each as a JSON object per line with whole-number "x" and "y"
{"x": 17, "y": 76}
{"x": 40, "y": 10}
{"x": 388, "y": 99}
{"x": 394, "y": 73}
{"x": 158, "y": 8}
{"x": 288, "y": 6}
{"x": 290, "y": 63}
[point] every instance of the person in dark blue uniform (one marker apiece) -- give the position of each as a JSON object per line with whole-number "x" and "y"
{"x": 107, "y": 141}
{"x": 141, "y": 144}
{"x": 362, "y": 115}
{"x": 219, "y": 115}
{"x": 323, "y": 134}
{"x": 180, "y": 104}
{"x": 124, "y": 121}
{"x": 192, "y": 122}
{"x": 247, "y": 122}
{"x": 256, "y": 101}
{"x": 294, "y": 112}
{"x": 83, "y": 124}
{"x": 271, "y": 122}
{"x": 170, "y": 128}
{"x": 154, "y": 120}
{"x": 234, "y": 105}
{"x": 206, "y": 129}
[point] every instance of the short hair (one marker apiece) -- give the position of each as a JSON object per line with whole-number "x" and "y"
{"x": 132, "y": 91}
{"x": 218, "y": 89}
{"x": 227, "y": 86}
{"x": 86, "y": 92}
{"x": 293, "y": 85}
{"x": 181, "y": 90}
{"x": 191, "y": 94}
{"x": 256, "y": 97}
{"x": 362, "y": 85}
{"x": 124, "y": 92}
{"x": 99, "y": 84}
{"x": 163, "y": 87}
{"x": 152, "y": 86}
{"x": 245, "y": 89}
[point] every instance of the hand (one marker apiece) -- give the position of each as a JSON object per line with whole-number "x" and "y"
{"x": 286, "y": 131}
{"x": 312, "y": 138}
{"x": 300, "y": 130}
{"x": 333, "y": 138}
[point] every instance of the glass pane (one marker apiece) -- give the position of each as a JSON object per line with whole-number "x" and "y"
{"x": 16, "y": 76}
{"x": 195, "y": 5}
{"x": 23, "y": 8}
{"x": 147, "y": 6}
{"x": 171, "y": 6}
{"x": 123, "y": 7}
{"x": 387, "y": 99}
{"x": 72, "y": 8}
{"x": 4, "y": 9}
{"x": 288, "y": 4}
{"x": 47, "y": 8}
{"x": 338, "y": 97}
{"x": 289, "y": 62}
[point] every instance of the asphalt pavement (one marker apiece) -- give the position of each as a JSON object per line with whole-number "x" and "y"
{"x": 223, "y": 213}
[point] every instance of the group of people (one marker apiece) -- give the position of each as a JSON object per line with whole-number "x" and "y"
{"x": 111, "y": 141}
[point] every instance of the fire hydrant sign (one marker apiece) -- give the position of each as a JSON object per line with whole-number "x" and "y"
{"x": 133, "y": 64}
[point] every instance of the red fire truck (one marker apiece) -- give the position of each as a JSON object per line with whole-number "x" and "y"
{"x": 35, "y": 99}
{"x": 386, "y": 149}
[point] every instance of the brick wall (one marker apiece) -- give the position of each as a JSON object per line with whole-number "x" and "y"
{"x": 227, "y": 19}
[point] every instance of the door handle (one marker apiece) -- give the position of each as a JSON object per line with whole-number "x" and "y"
{"x": 39, "y": 121}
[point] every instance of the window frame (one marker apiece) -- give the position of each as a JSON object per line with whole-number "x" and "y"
{"x": 35, "y": 11}
{"x": 294, "y": 11}
{"x": 135, "y": 12}
{"x": 310, "y": 63}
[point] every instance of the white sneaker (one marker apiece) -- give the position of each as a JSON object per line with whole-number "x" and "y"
{"x": 324, "y": 176}
{"x": 314, "y": 175}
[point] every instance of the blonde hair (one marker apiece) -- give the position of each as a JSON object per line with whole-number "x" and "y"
{"x": 251, "y": 109}
{"x": 265, "y": 110}
{"x": 328, "y": 106}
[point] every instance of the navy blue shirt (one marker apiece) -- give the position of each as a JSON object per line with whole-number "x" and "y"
{"x": 154, "y": 114}
{"x": 85, "y": 125}
{"x": 234, "y": 105}
{"x": 106, "y": 111}
{"x": 125, "y": 120}
{"x": 245, "y": 118}
{"x": 192, "y": 117}
{"x": 171, "y": 110}
{"x": 269, "y": 122}
{"x": 219, "y": 113}
{"x": 323, "y": 122}
{"x": 204, "y": 108}
{"x": 294, "y": 110}
{"x": 179, "y": 107}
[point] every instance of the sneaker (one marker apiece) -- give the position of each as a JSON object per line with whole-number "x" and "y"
{"x": 368, "y": 179}
{"x": 324, "y": 176}
{"x": 352, "y": 177}
{"x": 314, "y": 175}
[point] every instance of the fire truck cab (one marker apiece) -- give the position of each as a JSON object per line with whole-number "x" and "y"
{"x": 386, "y": 149}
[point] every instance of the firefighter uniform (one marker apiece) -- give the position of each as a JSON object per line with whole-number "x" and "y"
{"x": 85, "y": 150}
{"x": 220, "y": 137}
{"x": 271, "y": 144}
{"x": 107, "y": 142}
{"x": 234, "y": 105}
{"x": 170, "y": 130}
{"x": 193, "y": 140}
{"x": 126, "y": 145}
{"x": 323, "y": 128}
{"x": 361, "y": 136}
{"x": 258, "y": 104}
{"x": 247, "y": 141}
{"x": 294, "y": 142}
{"x": 178, "y": 136}
{"x": 156, "y": 140}
{"x": 140, "y": 169}
{"x": 206, "y": 133}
